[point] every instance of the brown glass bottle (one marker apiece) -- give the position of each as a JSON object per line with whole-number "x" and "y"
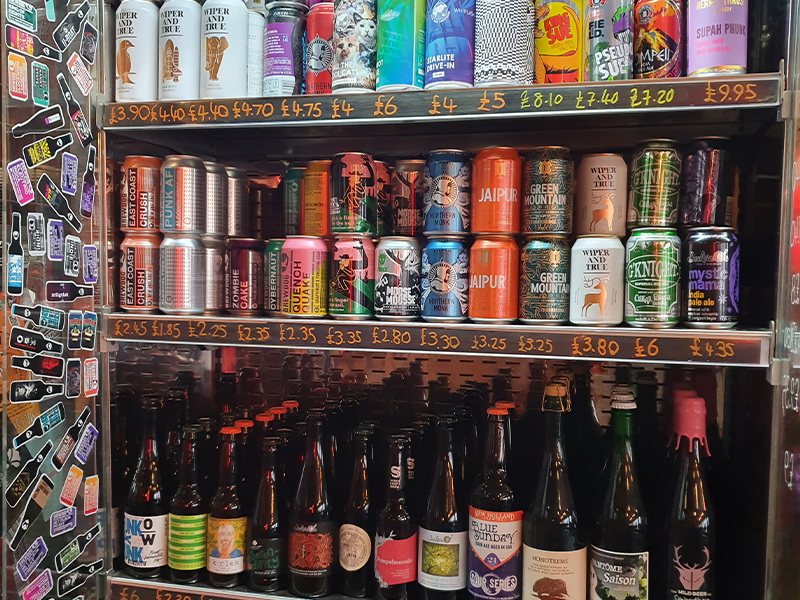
{"x": 266, "y": 549}
{"x": 358, "y": 523}
{"x": 225, "y": 393}
{"x": 247, "y": 463}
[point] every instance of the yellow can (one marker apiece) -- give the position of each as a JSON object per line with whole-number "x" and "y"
{"x": 558, "y": 41}
{"x": 316, "y": 198}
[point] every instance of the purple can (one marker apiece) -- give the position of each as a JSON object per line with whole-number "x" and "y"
{"x": 284, "y": 48}
{"x": 244, "y": 277}
{"x": 90, "y": 266}
{"x": 716, "y": 38}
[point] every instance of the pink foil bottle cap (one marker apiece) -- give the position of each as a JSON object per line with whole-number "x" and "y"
{"x": 689, "y": 419}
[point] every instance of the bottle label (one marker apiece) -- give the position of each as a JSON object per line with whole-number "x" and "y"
{"x": 395, "y": 560}
{"x": 265, "y": 557}
{"x": 15, "y": 271}
{"x": 355, "y": 547}
{"x": 187, "y": 542}
{"x": 691, "y": 573}
{"x": 225, "y": 543}
{"x": 619, "y": 574}
{"x": 553, "y": 574}
{"x": 442, "y": 559}
{"x": 495, "y": 540}
{"x": 146, "y": 541}
{"x": 311, "y": 548}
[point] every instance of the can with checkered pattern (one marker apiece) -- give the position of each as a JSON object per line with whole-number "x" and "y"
{"x": 503, "y": 42}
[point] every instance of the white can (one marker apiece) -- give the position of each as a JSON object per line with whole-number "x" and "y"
{"x": 223, "y": 72}
{"x": 179, "y": 50}
{"x": 601, "y": 195}
{"x": 255, "y": 54}
{"x": 137, "y": 51}
{"x": 597, "y": 270}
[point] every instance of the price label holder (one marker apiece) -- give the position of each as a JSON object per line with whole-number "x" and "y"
{"x": 127, "y": 588}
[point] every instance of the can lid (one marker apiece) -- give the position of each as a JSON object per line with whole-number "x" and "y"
{"x": 447, "y": 150}
{"x": 711, "y": 229}
{"x": 297, "y": 5}
{"x": 236, "y": 172}
{"x": 214, "y": 167}
{"x": 601, "y": 154}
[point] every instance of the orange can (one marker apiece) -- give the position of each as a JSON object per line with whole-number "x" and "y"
{"x": 496, "y": 190}
{"x": 493, "y": 278}
{"x": 316, "y": 197}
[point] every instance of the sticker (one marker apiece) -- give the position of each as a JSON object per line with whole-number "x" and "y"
{"x": 70, "y": 440}
{"x": 71, "y": 485}
{"x": 72, "y": 256}
{"x": 311, "y": 548}
{"x": 88, "y": 438}
{"x": 623, "y": 574}
{"x": 50, "y": 10}
{"x": 145, "y": 540}
{"x": 43, "y": 316}
{"x": 567, "y": 566}
{"x": 187, "y": 543}
{"x": 63, "y": 521}
{"x": 73, "y": 377}
{"x": 21, "y": 14}
{"x": 55, "y": 239}
{"x": 31, "y": 559}
{"x": 40, "y": 84}
{"x": 69, "y": 173}
{"x": 494, "y": 556}
{"x": 225, "y": 543}
{"x": 44, "y": 422}
{"x": 91, "y": 380}
{"x": 89, "y": 332}
{"x": 89, "y": 41}
{"x": 33, "y": 391}
{"x": 40, "y": 586}
{"x": 17, "y": 77}
{"x": 91, "y": 493}
{"x": 88, "y": 185}
{"x": 74, "y": 330}
{"x": 27, "y": 475}
{"x": 355, "y": 547}
{"x": 36, "y": 234}
{"x": 80, "y": 74}
{"x": 57, "y": 200}
{"x": 79, "y": 121}
{"x": 442, "y": 559}
{"x": 90, "y": 264}
{"x": 20, "y": 181}
{"x": 45, "y": 150}
{"x": 395, "y": 560}
{"x": 68, "y": 29}
{"x": 66, "y": 291}
{"x": 29, "y": 44}
{"x": 33, "y": 508}
{"x": 72, "y": 551}
{"x": 46, "y": 366}
{"x": 77, "y": 577}
{"x": 44, "y": 121}
{"x": 33, "y": 341}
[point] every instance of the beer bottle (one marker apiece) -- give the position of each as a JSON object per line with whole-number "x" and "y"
{"x": 358, "y": 524}
{"x": 170, "y": 438}
{"x": 442, "y": 561}
{"x": 292, "y": 412}
{"x": 70, "y": 26}
{"x": 619, "y": 541}
{"x": 312, "y": 530}
{"x": 247, "y": 457}
{"x": 187, "y": 516}
{"x": 16, "y": 258}
{"x": 551, "y": 547}
{"x": 146, "y": 512}
{"x": 266, "y": 550}
{"x": 46, "y": 120}
{"x": 206, "y": 456}
{"x": 120, "y": 472}
{"x": 225, "y": 393}
{"x": 227, "y": 521}
{"x": 75, "y": 111}
{"x": 278, "y": 417}
{"x": 495, "y": 526}
{"x": 43, "y": 316}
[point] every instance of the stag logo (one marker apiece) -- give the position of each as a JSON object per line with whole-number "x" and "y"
{"x": 602, "y": 214}
{"x": 599, "y": 297}
{"x": 692, "y": 577}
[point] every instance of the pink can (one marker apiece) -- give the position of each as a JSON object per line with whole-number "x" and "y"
{"x": 304, "y": 277}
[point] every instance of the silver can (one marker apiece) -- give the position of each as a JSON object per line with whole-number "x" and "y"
{"x": 215, "y": 274}
{"x": 183, "y": 195}
{"x": 397, "y": 279}
{"x": 182, "y": 281}
{"x": 137, "y": 51}
{"x": 216, "y": 200}
{"x": 179, "y": 50}
{"x": 238, "y": 203}
{"x": 597, "y": 293}
{"x": 602, "y": 192}
{"x": 138, "y": 275}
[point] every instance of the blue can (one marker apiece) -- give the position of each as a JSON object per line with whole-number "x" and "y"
{"x": 449, "y": 43}
{"x": 448, "y": 175}
{"x": 445, "y": 279}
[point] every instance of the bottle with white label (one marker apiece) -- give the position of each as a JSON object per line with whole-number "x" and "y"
{"x": 224, "y": 40}
{"x": 179, "y": 50}
{"x": 137, "y": 51}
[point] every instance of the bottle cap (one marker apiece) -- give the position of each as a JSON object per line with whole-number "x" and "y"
{"x": 289, "y": 404}
{"x": 507, "y": 404}
{"x": 494, "y": 410}
{"x": 622, "y": 400}
{"x": 680, "y": 394}
{"x": 555, "y": 397}
{"x": 278, "y": 410}
{"x": 230, "y": 431}
{"x": 243, "y": 423}
{"x": 689, "y": 420}
{"x": 265, "y": 417}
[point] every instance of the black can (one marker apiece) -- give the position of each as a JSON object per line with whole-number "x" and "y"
{"x": 711, "y": 278}
{"x": 706, "y": 184}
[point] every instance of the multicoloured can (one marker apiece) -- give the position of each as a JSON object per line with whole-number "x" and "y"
{"x": 352, "y": 278}
{"x": 383, "y": 198}
{"x": 596, "y": 282}
{"x": 601, "y": 185}
{"x": 711, "y": 278}
{"x": 319, "y": 49}
{"x": 544, "y": 280}
{"x": 657, "y": 39}
{"x": 653, "y": 278}
{"x": 304, "y": 277}
{"x": 496, "y": 181}
{"x": 716, "y": 38}
{"x": 139, "y": 272}
{"x": 182, "y": 275}
{"x": 655, "y": 184}
{"x": 397, "y": 283}
{"x": 292, "y": 186}
{"x": 355, "y": 44}
{"x": 272, "y": 276}
{"x": 316, "y": 197}
{"x": 140, "y": 194}
{"x": 401, "y": 45}
{"x": 493, "y": 279}
{"x": 705, "y": 183}
{"x": 238, "y": 203}
{"x": 244, "y": 277}
{"x": 353, "y": 206}
{"x": 216, "y": 248}
{"x": 283, "y": 48}
{"x": 557, "y": 37}
{"x": 608, "y": 41}
{"x": 547, "y": 186}
{"x": 183, "y": 194}
{"x": 448, "y": 178}
{"x": 449, "y": 44}
{"x": 408, "y": 197}
{"x": 216, "y": 199}
{"x": 503, "y": 42}
{"x": 445, "y": 279}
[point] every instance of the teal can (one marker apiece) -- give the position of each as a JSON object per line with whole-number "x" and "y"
{"x": 272, "y": 276}
{"x": 401, "y": 45}
{"x": 652, "y": 278}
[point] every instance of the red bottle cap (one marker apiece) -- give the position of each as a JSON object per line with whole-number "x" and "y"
{"x": 494, "y": 410}
{"x": 242, "y": 423}
{"x": 683, "y": 393}
{"x": 278, "y": 410}
{"x": 505, "y": 404}
{"x": 230, "y": 431}
{"x": 264, "y": 417}
{"x": 291, "y": 404}
{"x": 689, "y": 420}
{"x": 228, "y": 360}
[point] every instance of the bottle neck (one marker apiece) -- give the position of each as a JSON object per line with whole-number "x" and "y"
{"x": 622, "y": 430}
{"x": 227, "y": 462}
{"x": 494, "y": 460}
{"x": 396, "y": 488}
{"x": 268, "y": 461}
{"x": 188, "y": 473}
{"x": 150, "y": 441}
{"x": 553, "y": 431}
{"x": 314, "y": 442}
{"x": 444, "y": 449}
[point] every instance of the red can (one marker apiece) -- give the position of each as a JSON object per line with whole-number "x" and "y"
{"x": 138, "y": 276}
{"x": 319, "y": 50}
{"x": 493, "y": 279}
{"x": 140, "y": 197}
{"x": 496, "y": 190}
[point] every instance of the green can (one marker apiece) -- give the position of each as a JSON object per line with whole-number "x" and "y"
{"x": 292, "y": 184}
{"x": 655, "y": 184}
{"x": 272, "y": 276}
{"x": 544, "y": 279}
{"x": 352, "y": 286}
{"x": 652, "y": 278}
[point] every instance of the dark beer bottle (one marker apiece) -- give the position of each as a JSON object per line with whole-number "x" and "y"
{"x": 225, "y": 393}
{"x": 266, "y": 551}
{"x": 170, "y": 450}
{"x": 146, "y": 512}
{"x": 312, "y": 530}
{"x": 495, "y": 526}
{"x": 187, "y": 517}
{"x": 619, "y": 541}
{"x": 358, "y": 524}
{"x": 247, "y": 457}
{"x": 551, "y": 547}
{"x": 206, "y": 456}
{"x": 227, "y": 522}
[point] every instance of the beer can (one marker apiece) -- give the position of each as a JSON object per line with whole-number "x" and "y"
{"x": 216, "y": 249}
{"x": 653, "y": 278}
{"x": 705, "y": 183}
{"x": 257, "y": 6}
{"x": 137, "y": 51}
{"x": 601, "y": 183}
{"x": 493, "y": 279}
{"x": 179, "y": 50}
{"x": 547, "y": 186}
{"x": 408, "y": 197}
{"x": 449, "y": 44}
{"x": 355, "y": 44}
{"x": 716, "y": 38}
{"x": 304, "y": 277}
{"x": 655, "y": 184}
{"x": 352, "y": 283}
{"x": 292, "y": 186}
{"x": 597, "y": 267}
{"x": 544, "y": 280}
{"x": 503, "y": 42}
{"x": 238, "y": 203}
{"x": 445, "y": 279}
{"x": 255, "y": 54}
{"x": 244, "y": 277}
{"x": 272, "y": 276}
{"x": 140, "y": 194}
{"x": 383, "y": 198}
{"x": 397, "y": 279}
{"x": 316, "y": 197}
{"x": 710, "y": 270}
{"x": 608, "y": 41}
{"x": 139, "y": 272}
{"x": 447, "y": 188}
{"x": 401, "y": 45}
{"x": 352, "y": 205}
{"x": 657, "y": 39}
{"x": 496, "y": 184}
{"x": 216, "y": 200}
{"x": 266, "y": 208}
{"x": 183, "y": 194}
{"x": 182, "y": 275}
{"x": 558, "y": 31}
{"x": 319, "y": 49}
{"x": 284, "y": 71}
{"x": 224, "y": 34}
